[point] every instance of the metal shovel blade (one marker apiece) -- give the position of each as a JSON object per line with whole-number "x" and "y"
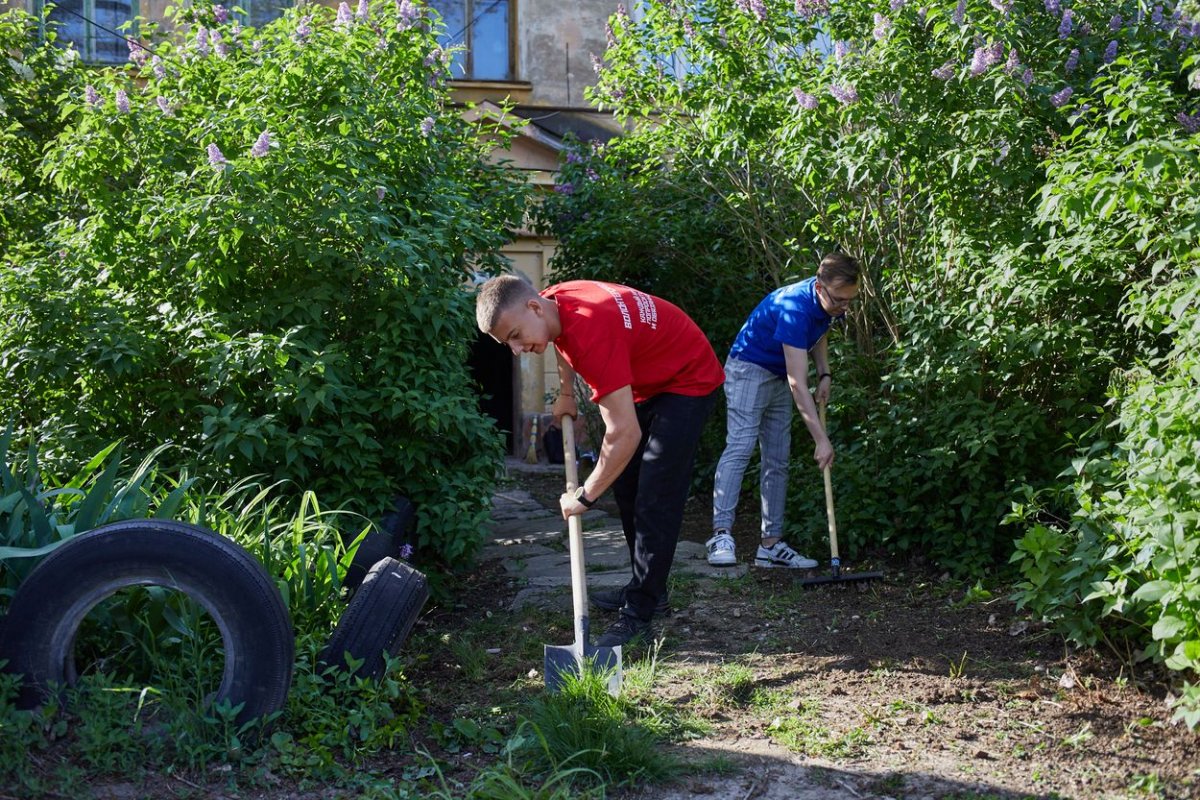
{"x": 561, "y": 661}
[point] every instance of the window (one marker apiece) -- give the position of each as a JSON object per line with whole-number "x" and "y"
{"x": 100, "y": 43}
{"x": 260, "y": 12}
{"x": 483, "y": 29}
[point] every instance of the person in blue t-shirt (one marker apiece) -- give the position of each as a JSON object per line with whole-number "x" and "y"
{"x": 765, "y": 374}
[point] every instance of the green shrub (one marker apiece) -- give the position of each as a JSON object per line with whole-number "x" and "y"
{"x": 262, "y": 261}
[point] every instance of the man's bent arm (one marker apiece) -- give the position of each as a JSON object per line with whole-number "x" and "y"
{"x": 622, "y": 433}
{"x": 797, "y": 372}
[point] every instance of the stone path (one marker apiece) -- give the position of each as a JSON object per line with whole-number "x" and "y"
{"x": 531, "y": 541}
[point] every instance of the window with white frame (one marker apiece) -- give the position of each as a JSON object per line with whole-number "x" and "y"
{"x": 483, "y": 31}
{"x": 94, "y": 27}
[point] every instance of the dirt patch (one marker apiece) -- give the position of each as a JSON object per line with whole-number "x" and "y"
{"x": 902, "y": 688}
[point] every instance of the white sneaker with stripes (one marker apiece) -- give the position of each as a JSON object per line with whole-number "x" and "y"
{"x": 780, "y": 555}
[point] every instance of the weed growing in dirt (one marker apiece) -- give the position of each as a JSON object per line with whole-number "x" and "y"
{"x": 584, "y": 727}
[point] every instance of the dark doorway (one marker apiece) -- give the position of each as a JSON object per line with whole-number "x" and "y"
{"x": 491, "y": 365}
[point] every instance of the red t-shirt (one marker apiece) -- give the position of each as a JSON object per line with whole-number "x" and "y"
{"x": 615, "y": 336}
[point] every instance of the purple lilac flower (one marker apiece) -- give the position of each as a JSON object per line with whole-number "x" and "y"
{"x": 137, "y": 53}
{"x": 202, "y": 40}
{"x": 91, "y": 96}
{"x": 219, "y": 45}
{"x": 221, "y": 13}
{"x": 804, "y": 99}
{"x": 592, "y": 175}
{"x": 1110, "y": 52}
{"x": 573, "y": 157}
{"x": 979, "y": 61}
{"x": 921, "y": 13}
{"x": 597, "y": 64}
{"x": 1189, "y": 122}
{"x": 610, "y": 36}
{"x": 840, "y": 50}
{"x": 164, "y": 106}
{"x": 1003, "y": 6}
{"x": 960, "y": 13}
{"x": 406, "y": 551}
{"x": 303, "y": 29}
{"x": 564, "y": 188}
{"x": 883, "y": 26}
{"x": 1115, "y": 23}
{"x": 1053, "y": 7}
{"x": 945, "y": 72}
{"x": 896, "y": 5}
{"x": 1156, "y": 16}
{"x": 434, "y": 56}
{"x": 811, "y": 9}
{"x": 845, "y": 94}
{"x": 344, "y": 17}
{"x": 262, "y": 145}
{"x": 256, "y": 45}
{"x": 427, "y": 127}
{"x": 380, "y": 193}
{"x": 1072, "y": 60}
{"x": 409, "y": 14}
{"x": 215, "y": 158}
{"x": 755, "y": 7}
{"x": 160, "y": 71}
{"x": 122, "y": 101}
{"x": 1065, "y": 27}
{"x": 1060, "y": 98}
{"x": 1080, "y": 113}
{"x": 1027, "y": 76}
{"x": 363, "y": 11}
{"x": 689, "y": 29}
{"x": 1013, "y": 63}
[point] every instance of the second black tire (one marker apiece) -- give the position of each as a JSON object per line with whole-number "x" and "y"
{"x": 379, "y": 618}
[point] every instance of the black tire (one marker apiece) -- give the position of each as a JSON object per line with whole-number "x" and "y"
{"x": 45, "y": 615}
{"x": 393, "y": 533}
{"x": 378, "y": 619}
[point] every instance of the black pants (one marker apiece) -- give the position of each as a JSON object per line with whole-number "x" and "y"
{"x": 652, "y": 490}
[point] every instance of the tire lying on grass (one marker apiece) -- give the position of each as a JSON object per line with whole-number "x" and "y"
{"x": 48, "y": 608}
{"x": 379, "y": 618}
{"x": 386, "y": 542}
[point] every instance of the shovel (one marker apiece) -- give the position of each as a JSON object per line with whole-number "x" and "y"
{"x": 835, "y": 562}
{"x": 574, "y": 658}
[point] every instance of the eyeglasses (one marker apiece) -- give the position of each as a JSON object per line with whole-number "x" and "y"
{"x": 836, "y": 301}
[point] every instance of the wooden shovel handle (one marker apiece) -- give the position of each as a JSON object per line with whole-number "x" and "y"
{"x": 575, "y": 537}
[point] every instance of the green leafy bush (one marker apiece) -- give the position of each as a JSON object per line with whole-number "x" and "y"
{"x": 998, "y": 168}
{"x": 259, "y": 252}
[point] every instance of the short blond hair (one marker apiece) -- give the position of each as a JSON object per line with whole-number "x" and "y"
{"x": 497, "y": 296}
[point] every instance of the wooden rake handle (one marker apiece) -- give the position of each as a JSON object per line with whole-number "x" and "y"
{"x": 834, "y": 560}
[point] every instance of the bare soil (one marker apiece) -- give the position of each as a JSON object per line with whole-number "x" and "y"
{"x": 905, "y": 690}
{"x": 901, "y": 689}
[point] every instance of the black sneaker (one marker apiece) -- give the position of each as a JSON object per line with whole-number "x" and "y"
{"x": 614, "y": 600}
{"x": 626, "y": 630}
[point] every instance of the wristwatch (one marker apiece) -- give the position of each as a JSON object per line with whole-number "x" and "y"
{"x": 582, "y": 498}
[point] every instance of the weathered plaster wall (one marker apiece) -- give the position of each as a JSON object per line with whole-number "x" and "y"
{"x": 547, "y": 28}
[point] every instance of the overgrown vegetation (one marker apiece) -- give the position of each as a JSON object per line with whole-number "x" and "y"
{"x": 1019, "y": 180}
{"x": 253, "y": 244}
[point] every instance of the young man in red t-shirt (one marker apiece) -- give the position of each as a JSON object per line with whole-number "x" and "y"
{"x": 655, "y": 377}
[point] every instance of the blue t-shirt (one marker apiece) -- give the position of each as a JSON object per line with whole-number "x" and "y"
{"x": 790, "y": 315}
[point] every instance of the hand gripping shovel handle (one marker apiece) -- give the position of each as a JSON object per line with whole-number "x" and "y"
{"x": 835, "y": 562}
